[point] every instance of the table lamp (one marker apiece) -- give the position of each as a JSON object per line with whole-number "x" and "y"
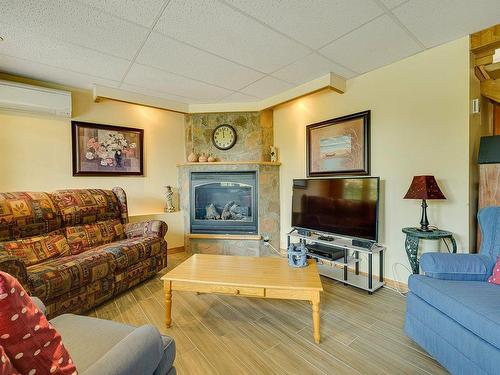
{"x": 424, "y": 187}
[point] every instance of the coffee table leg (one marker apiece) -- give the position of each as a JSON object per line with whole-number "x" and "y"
{"x": 168, "y": 303}
{"x": 315, "y": 316}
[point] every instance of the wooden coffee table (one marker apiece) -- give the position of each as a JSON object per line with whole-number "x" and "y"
{"x": 262, "y": 277}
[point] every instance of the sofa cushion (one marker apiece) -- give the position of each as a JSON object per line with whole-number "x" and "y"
{"x": 86, "y": 206}
{"x": 30, "y": 341}
{"x": 60, "y": 275}
{"x": 84, "y": 237}
{"x": 26, "y": 214}
{"x": 34, "y": 250}
{"x": 473, "y": 304}
{"x": 133, "y": 250}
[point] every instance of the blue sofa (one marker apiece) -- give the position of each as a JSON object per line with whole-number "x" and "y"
{"x": 453, "y": 312}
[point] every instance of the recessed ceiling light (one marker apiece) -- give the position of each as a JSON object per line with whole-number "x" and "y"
{"x": 1, "y": 39}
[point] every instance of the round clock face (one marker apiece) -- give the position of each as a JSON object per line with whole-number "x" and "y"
{"x": 224, "y": 137}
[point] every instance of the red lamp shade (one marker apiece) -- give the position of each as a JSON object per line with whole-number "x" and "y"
{"x": 424, "y": 187}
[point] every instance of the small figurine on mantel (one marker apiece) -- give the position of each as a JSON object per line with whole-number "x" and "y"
{"x": 274, "y": 154}
{"x": 170, "y": 204}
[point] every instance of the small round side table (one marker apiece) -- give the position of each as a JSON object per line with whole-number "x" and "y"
{"x": 413, "y": 237}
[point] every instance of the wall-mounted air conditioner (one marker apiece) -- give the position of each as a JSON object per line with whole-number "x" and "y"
{"x": 34, "y": 99}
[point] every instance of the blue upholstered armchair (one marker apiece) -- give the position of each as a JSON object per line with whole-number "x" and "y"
{"x": 452, "y": 311}
{"x": 469, "y": 267}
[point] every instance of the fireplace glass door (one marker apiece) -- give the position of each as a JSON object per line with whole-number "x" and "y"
{"x": 223, "y": 203}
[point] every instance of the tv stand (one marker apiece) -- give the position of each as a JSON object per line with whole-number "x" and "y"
{"x": 336, "y": 256}
{"x": 326, "y": 238}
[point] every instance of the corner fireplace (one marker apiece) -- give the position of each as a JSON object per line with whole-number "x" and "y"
{"x": 223, "y": 202}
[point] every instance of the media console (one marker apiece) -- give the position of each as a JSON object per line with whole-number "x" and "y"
{"x": 337, "y": 255}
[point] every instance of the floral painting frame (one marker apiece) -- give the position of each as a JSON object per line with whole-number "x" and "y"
{"x": 106, "y": 150}
{"x": 339, "y": 146}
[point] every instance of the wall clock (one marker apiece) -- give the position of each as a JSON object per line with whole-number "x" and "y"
{"x": 224, "y": 137}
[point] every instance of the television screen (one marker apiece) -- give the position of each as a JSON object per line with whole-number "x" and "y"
{"x": 342, "y": 206}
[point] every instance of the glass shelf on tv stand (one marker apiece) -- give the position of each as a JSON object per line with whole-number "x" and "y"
{"x": 341, "y": 269}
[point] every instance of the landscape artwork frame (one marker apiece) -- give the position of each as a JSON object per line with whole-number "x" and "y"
{"x": 339, "y": 146}
{"x": 106, "y": 150}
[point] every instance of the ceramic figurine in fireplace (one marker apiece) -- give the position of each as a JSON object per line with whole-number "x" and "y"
{"x": 169, "y": 194}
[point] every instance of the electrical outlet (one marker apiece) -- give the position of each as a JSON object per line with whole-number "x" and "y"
{"x": 475, "y": 106}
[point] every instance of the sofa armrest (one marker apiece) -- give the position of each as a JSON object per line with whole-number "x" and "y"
{"x": 15, "y": 267}
{"x": 140, "y": 352}
{"x": 465, "y": 267}
{"x": 156, "y": 228}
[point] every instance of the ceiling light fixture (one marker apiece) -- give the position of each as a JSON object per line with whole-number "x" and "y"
{"x": 1, "y": 39}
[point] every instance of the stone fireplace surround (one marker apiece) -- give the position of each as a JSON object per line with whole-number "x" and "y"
{"x": 250, "y": 153}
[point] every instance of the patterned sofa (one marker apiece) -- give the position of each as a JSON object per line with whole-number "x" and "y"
{"x": 75, "y": 249}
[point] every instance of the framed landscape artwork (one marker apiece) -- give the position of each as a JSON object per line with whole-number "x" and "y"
{"x": 339, "y": 146}
{"x": 105, "y": 150}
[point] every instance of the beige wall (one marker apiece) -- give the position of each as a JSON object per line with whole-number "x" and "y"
{"x": 35, "y": 154}
{"x": 419, "y": 125}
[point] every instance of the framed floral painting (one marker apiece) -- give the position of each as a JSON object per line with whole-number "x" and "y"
{"x": 340, "y": 146}
{"x": 105, "y": 150}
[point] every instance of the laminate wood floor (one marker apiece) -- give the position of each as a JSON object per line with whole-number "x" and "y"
{"x": 217, "y": 334}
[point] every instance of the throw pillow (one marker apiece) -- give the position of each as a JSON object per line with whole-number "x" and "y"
{"x": 84, "y": 237}
{"x": 6, "y": 367}
{"x": 495, "y": 277}
{"x": 37, "y": 249}
{"x": 30, "y": 341}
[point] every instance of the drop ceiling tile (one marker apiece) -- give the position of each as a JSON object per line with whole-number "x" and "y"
{"x": 309, "y": 68}
{"x": 215, "y": 27}
{"x": 378, "y": 43}
{"x": 436, "y": 22}
{"x": 159, "y": 80}
{"x": 238, "y": 97}
{"x": 266, "y": 87}
{"x": 312, "y": 22}
{"x": 143, "y": 12}
{"x": 157, "y": 94}
{"x": 168, "y": 54}
{"x": 75, "y": 23}
{"x": 25, "y": 45}
{"x": 392, "y": 3}
{"x": 41, "y": 72}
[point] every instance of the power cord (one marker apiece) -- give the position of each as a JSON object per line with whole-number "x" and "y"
{"x": 396, "y": 279}
{"x": 267, "y": 242}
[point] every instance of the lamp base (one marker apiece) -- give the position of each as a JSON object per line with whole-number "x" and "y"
{"x": 425, "y": 230}
{"x": 424, "y": 222}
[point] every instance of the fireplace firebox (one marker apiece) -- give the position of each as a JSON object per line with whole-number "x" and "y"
{"x": 223, "y": 202}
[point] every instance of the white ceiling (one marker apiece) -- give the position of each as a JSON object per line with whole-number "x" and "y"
{"x": 208, "y": 51}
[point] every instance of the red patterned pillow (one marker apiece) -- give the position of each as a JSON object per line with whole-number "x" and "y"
{"x": 6, "y": 366}
{"x": 30, "y": 341}
{"x": 495, "y": 277}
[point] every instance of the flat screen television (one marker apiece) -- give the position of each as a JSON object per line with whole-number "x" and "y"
{"x": 342, "y": 206}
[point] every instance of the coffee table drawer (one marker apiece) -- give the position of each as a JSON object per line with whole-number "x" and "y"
{"x": 223, "y": 289}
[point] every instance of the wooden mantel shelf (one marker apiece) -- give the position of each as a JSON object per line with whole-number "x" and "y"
{"x": 230, "y": 163}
